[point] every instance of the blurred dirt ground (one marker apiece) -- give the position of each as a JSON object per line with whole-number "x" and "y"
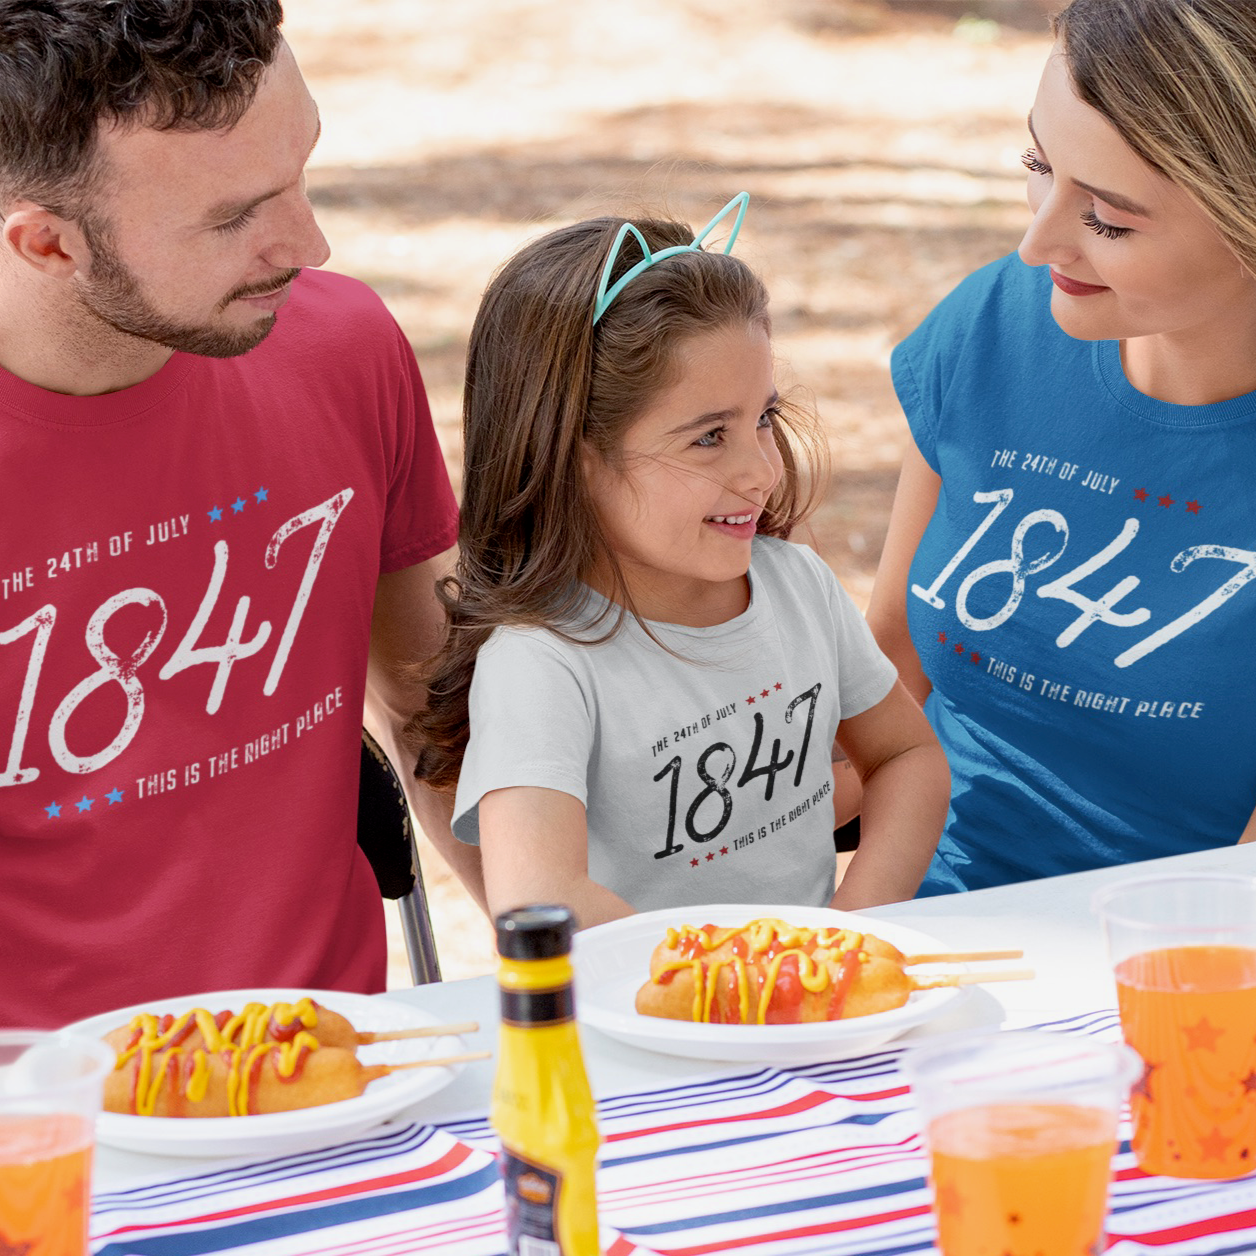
{"x": 879, "y": 141}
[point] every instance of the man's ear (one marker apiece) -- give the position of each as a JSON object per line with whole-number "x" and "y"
{"x": 54, "y": 246}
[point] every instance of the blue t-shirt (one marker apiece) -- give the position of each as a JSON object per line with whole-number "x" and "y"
{"x": 1082, "y": 600}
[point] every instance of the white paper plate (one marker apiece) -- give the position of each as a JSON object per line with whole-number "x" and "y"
{"x": 613, "y": 960}
{"x": 280, "y": 1132}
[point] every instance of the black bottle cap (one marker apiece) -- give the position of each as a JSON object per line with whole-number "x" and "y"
{"x": 542, "y": 932}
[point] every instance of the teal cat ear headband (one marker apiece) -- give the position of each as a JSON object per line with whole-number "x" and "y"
{"x": 605, "y": 296}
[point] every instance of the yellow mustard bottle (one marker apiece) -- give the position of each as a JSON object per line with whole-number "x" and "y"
{"x": 543, "y": 1107}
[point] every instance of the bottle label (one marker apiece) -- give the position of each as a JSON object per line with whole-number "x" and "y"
{"x": 531, "y": 1206}
{"x": 529, "y": 1008}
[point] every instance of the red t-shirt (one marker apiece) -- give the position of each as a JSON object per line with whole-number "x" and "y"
{"x": 187, "y": 571}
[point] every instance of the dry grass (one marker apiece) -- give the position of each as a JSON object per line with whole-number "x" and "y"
{"x": 879, "y": 142}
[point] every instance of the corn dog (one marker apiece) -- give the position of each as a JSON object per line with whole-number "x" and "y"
{"x": 769, "y": 972}
{"x": 266, "y": 1077}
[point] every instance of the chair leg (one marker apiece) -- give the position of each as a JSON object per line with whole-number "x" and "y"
{"x": 416, "y": 924}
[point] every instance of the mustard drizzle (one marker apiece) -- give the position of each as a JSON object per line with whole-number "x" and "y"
{"x": 242, "y": 1041}
{"x": 760, "y": 934}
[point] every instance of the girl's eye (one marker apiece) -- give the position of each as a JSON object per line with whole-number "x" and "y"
{"x": 769, "y": 416}
{"x": 712, "y": 438}
{"x": 1033, "y": 163}
{"x": 1105, "y": 229}
{"x": 238, "y": 223}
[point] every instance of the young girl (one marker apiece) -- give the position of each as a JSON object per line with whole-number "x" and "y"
{"x": 643, "y": 679}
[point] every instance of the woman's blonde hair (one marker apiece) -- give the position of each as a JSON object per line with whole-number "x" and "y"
{"x": 544, "y": 385}
{"x": 1177, "y": 79}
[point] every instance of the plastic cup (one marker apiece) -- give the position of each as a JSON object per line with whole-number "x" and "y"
{"x": 1021, "y": 1130}
{"x": 1183, "y": 952}
{"x": 51, "y": 1087}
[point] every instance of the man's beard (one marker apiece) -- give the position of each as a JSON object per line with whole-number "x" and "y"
{"x": 111, "y": 293}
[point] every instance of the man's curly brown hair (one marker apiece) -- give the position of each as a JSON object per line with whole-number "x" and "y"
{"x": 69, "y": 66}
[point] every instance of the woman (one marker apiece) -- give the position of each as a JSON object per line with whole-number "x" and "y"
{"x": 1067, "y": 584}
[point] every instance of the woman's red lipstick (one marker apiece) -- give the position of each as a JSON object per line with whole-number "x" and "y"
{"x": 1075, "y": 287}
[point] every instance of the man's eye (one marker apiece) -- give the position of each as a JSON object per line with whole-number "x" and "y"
{"x": 238, "y": 223}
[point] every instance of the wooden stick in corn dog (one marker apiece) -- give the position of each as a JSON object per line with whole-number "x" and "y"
{"x": 770, "y": 972}
{"x": 267, "y": 1077}
{"x": 257, "y": 1023}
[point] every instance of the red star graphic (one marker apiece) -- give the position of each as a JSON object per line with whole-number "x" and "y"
{"x": 959, "y": 649}
{"x": 723, "y": 850}
{"x": 1166, "y": 501}
{"x": 1140, "y": 494}
{"x": 1202, "y": 1037}
{"x": 710, "y": 855}
{"x": 767, "y": 693}
{"x": 1212, "y": 1146}
{"x": 693, "y": 863}
{"x": 750, "y": 700}
{"x": 942, "y": 637}
{"x": 777, "y": 685}
{"x": 976, "y": 658}
{"x": 1192, "y": 508}
{"x": 1142, "y": 1086}
{"x": 950, "y": 1200}
{"x": 1249, "y": 1082}
{"x": 75, "y": 1194}
{"x": 13, "y": 1249}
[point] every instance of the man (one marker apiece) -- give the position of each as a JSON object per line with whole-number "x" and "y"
{"x": 222, "y": 496}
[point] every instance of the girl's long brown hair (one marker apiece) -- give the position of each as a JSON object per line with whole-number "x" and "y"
{"x": 542, "y": 386}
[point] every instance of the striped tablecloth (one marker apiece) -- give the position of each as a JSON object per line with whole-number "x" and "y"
{"x": 768, "y": 1162}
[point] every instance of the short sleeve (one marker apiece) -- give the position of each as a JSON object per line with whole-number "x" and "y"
{"x": 865, "y": 675}
{"x": 531, "y": 724}
{"x": 924, "y": 365}
{"x": 422, "y": 514}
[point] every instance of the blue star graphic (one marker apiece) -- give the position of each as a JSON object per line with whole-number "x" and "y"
{"x": 114, "y": 795}
{"x": 85, "y": 803}
{"x": 53, "y": 809}
{"x": 238, "y": 505}
{"x": 215, "y": 515}
{"x": 261, "y": 494}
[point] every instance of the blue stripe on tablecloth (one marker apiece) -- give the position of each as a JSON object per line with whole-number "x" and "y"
{"x": 384, "y": 1143}
{"x": 221, "y": 1238}
{"x": 835, "y": 1199}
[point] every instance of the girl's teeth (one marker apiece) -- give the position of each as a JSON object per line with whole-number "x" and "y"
{"x": 730, "y": 518}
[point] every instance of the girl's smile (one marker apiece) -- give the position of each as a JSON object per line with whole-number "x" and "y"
{"x": 680, "y": 504}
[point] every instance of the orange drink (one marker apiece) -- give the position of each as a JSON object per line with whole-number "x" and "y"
{"x": 1021, "y": 1177}
{"x": 45, "y": 1184}
{"x": 1190, "y": 1012}
{"x": 51, "y": 1086}
{"x": 1021, "y": 1130}
{"x": 1183, "y": 952}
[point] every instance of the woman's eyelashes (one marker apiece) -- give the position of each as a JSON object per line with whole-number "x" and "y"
{"x": 1105, "y": 229}
{"x": 1035, "y": 165}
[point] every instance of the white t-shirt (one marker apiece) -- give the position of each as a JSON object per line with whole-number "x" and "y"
{"x": 705, "y": 774}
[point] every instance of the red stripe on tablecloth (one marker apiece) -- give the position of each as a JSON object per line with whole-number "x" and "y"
{"x": 799, "y": 1232}
{"x": 814, "y": 1099}
{"x": 893, "y": 1093}
{"x": 799, "y": 1168}
{"x": 480, "y": 1226}
{"x": 450, "y": 1160}
{"x": 1221, "y": 1224}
